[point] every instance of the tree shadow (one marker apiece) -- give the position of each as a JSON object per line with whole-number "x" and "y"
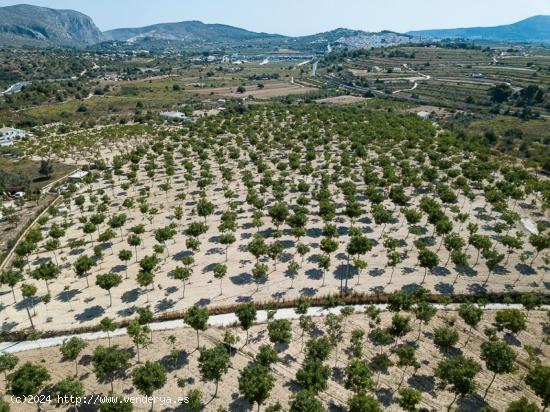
{"x": 243, "y": 278}
{"x": 525, "y": 269}
{"x": 130, "y": 296}
{"x": 410, "y": 287}
{"x": 441, "y": 271}
{"x": 7, "y": 326}
{"x": 68, "y": 295}
{"x": 376, "y": 272}
{"x": 278, "y": 295}
{"x": 444, "y": 288}
{"x": 314, "y": 274}
{"x": 384, "y": 396}
{"x": 180, "y": 255}
{"x": 165, "y": 304}
{"x": 171, "y": 364}
{"x": 126, "y": 312}
{"x": 90, "y": 313}
{"x": 466, "y": 271}
{"x": 215, "y": 251}
{"x": 203, "y": 302}
{"x": 118, "y": 269}
{"x": 471, "y": 403}
{"x": 423, "y": 383}
{"x": 477, "y": 288}
{"x": 76, "y": 252}
{"x": 511, "y": 339}
{"x": 308, "y": 292}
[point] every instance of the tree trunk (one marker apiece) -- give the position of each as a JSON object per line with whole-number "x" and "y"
{"x": 197, "y": 338}
{"x": 490, "y": 384}
{"x": 76, "y": 368}
{"x": 454, "y": 399}
{"x": 347, "y": 276}
{"x": 29, "y": 313}
{"x": 13, "y": 293}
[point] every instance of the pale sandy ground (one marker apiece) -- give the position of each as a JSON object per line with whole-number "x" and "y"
{"x": 271, "y": 89}
{"x": 345, "y": 99}
{"x": 505, "y": 389}
{"x": 87, "y": 306}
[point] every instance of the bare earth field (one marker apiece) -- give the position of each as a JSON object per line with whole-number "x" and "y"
{"x": 78, "y": 302}
{"x": 271, "y": 89}
{"x": 505, "y": 388}
{"x": 346, "y": 99}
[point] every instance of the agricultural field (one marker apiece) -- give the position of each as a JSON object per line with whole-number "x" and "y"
{"x": 474, "y": 87}
{"x": 217, "y": 212}
{"x": 400, "y": 357}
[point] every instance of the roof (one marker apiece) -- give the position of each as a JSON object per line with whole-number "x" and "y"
{"x": 79, "y": 174}
{"x": 176, "y": 115}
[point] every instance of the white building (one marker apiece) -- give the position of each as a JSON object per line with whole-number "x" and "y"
{"x": 8, "y": 135}
{"x": 176, "y": 115}
{"x": 78, "y": 176}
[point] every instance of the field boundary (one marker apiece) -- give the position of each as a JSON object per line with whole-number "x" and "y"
{"x": 221, "y": 320}
{"x": 327, "y": 301}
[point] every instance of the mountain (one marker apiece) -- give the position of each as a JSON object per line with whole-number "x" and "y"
{"x": 354, "y": 39}
{"x": 190, "y": 33}
{"x": 32, "y": 25}
{"x": 534, "y": 29}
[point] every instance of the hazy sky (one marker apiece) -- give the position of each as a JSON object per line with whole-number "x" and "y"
{"x": 299, "y": 17}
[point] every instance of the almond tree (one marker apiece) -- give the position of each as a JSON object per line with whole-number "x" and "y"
{"x": 471, "y": 315}
{"x": 246, "y": 313}
{"x": 197, "y": 318}
{"x": 406, "y": 357}
{"x": 82, "y": 266}
{"x": 213, "y": 364}
{"x": 11, "y": 278}
{"x": 499, "y": 358}
{"x": 107, "y": 282}
{"x": 108, "y": 362}
{"x": 458, "y": 374}
{"x": 428, "y": 260}
{"x": 71, "y": 349}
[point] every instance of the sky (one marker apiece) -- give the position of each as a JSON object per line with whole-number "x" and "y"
{"x": 301, "y": 17}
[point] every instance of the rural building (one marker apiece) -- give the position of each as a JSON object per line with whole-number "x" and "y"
{"x": 176, "y": 115}
{"x": 8, "y": 135}
{"x": 77, "y": 176}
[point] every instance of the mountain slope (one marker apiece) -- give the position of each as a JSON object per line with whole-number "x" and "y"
{"x": 533, "y": 29}
{"x": 355, "y": 39}
{"x": 24, "y": 24}
{"x": 190, "y": 32}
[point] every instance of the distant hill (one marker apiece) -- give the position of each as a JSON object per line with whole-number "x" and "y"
{"x": 190, "y": 33}
{"x": 24, "y": 24}
{"x": 534, "y": 29}
{"x": 354, "y": 39}
{"x": 41, "y": 26}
